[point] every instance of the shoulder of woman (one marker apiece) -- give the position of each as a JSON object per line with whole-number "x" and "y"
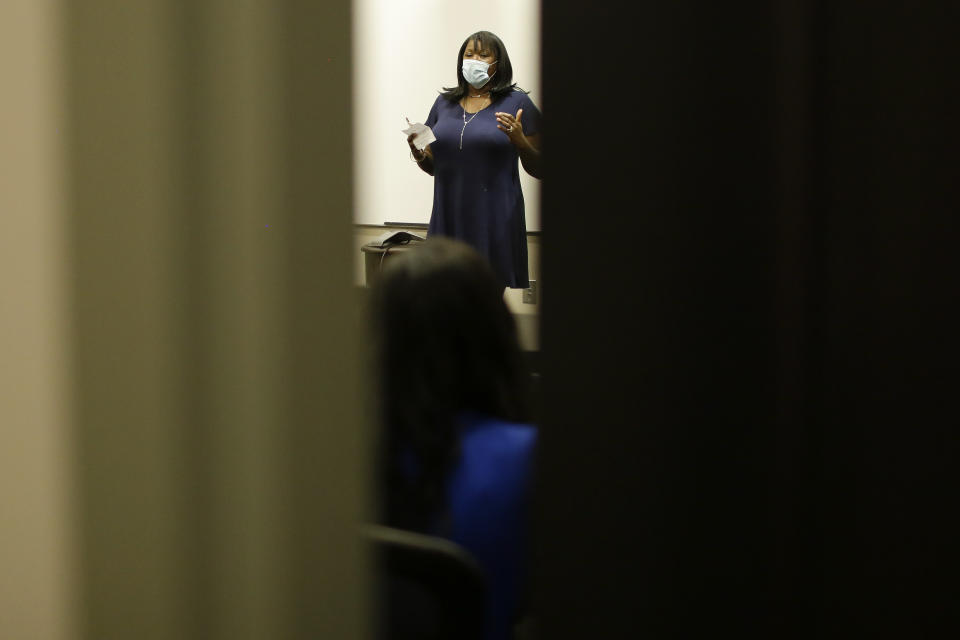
{"x": 524, "y": 98}
{"x": 520, "y": 98}
{"x": 441, "y": 103}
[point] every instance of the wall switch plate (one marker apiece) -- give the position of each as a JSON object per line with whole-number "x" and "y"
{"x": 530, "y": 293}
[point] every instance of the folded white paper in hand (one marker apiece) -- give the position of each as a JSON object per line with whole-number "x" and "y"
{"x": 424, "y": 134}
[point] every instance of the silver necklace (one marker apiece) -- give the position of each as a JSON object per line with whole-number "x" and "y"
{"x": 465, "y": 123}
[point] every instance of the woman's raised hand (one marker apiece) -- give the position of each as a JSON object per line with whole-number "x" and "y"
{"x": 511, "y": 126}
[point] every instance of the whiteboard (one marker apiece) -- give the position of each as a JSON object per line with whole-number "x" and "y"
{"x": 404, "y": 53}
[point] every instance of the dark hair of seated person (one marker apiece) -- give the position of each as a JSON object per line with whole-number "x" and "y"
{"x": 446, "y": 344}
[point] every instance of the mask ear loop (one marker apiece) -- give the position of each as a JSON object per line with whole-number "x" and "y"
{"x": 490, "y": 77}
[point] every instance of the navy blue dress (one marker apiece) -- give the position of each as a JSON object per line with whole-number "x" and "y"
{"x": 476, "y": 189}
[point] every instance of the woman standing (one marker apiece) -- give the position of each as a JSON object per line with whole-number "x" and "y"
{"x": 482, "y": 126}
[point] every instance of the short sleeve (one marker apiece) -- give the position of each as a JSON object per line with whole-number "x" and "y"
{"x": 434, "y": 114}
{"x": 531, "y": 118}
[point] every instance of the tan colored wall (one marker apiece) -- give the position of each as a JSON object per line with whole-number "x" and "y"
{"x": 222, "y": 469}
{"x": 178, "y": 457}
{"x": 35, "y": 523}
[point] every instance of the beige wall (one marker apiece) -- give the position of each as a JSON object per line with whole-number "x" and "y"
{"x": 35, "y": 525}
{"x": 178, "y": 459}
{"x": 223, "y": 470}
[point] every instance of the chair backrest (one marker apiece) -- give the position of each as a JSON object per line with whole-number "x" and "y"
{"x": 428, "y": 587}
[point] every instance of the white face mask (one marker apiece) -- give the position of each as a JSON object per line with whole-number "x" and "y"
{"x": 475, "y": 72}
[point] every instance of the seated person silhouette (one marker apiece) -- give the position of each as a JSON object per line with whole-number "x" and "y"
{"x": 455, "y": 454}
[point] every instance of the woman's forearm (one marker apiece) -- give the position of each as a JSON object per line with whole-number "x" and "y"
{"x": 530, "y": 159}
{"x": 426, "y": 161}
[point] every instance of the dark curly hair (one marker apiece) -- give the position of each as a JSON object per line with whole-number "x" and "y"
{"x": 445, "y": 343}
{"x": 501, "y": 83}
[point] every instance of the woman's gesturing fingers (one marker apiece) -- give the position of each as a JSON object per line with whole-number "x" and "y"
{"x": 511, "y": 125}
